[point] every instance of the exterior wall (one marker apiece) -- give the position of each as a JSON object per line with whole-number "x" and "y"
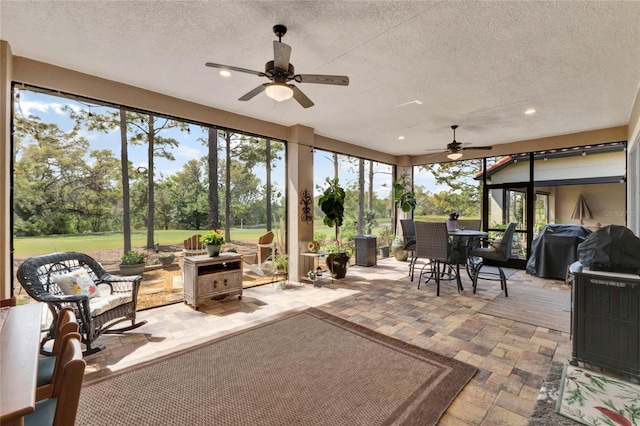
{"x": 606, "y": 201}
{"x": 578, "y": 167}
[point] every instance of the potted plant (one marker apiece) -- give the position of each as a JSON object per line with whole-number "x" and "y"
{"x": 280, "y": 266}
{"x": 452, "y": 223}
{"x": 403, "y": 194}
{"x": 166, "y": 258}
{"x": 332, "y": 204}
{"x": 397, "y": 248}
{"x": 385, "y": 242}
{"x": 132, "y": 263}
{"x": 213, "y": 242}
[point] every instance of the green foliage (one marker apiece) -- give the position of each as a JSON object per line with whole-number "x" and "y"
{"x": 212, "y": 238}
{"x": 166, "y": 255}
{"x": 279, "y": 263}
{"x": 332, "y": 204}
{"x": 404, "y": 196}
{"x": 132, "y": 258}
{"x": 385, "y": 236}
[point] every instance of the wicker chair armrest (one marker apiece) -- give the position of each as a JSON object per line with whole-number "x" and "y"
{"x": 62, "y": 298}
{"x": 120, "y": 284}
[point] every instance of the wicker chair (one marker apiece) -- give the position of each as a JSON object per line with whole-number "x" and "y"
{"x": 498, "y": 252}
{"x": 409, "y": 241}
{"x": 432, "y": 242}
{"x": 95, "y": 316}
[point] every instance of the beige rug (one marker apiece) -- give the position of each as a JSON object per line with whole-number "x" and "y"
{"x": 308, "y": 368}
{"x": 531, "y": 305}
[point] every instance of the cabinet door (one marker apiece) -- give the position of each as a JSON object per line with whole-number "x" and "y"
{"x": 210, "y": 284}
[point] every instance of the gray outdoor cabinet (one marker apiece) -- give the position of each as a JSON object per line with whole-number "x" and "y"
{"x": 606, "y": 320}
{"x": 366, "y": 254}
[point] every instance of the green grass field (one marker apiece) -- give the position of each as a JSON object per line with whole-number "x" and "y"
{"x": 31, "y": 246}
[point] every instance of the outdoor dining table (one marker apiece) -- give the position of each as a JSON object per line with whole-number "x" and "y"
{"x": 462, "y": 240}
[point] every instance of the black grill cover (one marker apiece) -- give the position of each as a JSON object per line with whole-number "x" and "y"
{"x": 554, "y": 249}
{"x": 612, "y": 248}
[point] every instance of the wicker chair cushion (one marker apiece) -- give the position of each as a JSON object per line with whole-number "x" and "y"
{"x": 102, "y": 304}
{"x": 76, "y": 282}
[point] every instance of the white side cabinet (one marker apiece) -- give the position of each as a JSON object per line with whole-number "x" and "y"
{"x": 206, "y": 277}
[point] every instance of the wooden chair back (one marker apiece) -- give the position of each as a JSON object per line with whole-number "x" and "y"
{"x": 193, "y": 243}
{"x": 47, "y": 366}
{"x": 67, "y": 384}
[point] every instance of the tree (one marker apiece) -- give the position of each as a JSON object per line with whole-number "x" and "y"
{"x": 49, "y": 168}
{"x": 463, "y": 193}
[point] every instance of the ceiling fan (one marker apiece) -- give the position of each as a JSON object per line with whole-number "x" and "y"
{"x": 280, "y": 71}
{"x": 455, "y": 148}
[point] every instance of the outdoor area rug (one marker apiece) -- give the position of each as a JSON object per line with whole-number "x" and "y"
{"x": 544, "y": 413}
{"x": 531, "y": 305}
{"x": 308, "y": 368}
{"x": 597, "y": 399}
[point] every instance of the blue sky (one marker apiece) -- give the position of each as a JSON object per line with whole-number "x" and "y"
{"x": 50, "y": 109}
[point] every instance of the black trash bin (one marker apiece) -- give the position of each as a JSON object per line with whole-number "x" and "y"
{"x": 366, "y": 250}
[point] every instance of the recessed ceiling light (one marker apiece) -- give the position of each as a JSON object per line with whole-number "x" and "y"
{"x": 225, "y": 73}
{"x": 530, "y": 111}
{"x": 401, "y": 137}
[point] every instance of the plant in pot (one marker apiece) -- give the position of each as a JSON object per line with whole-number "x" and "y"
{"x": 166, "y": 258}
{"x": 132, "y": 263}
{"x": 332, "y": 204}
{"x": 452, "y": 223}
{"x": 280, "y": 266}
{"x": 403, "y": 194}
{"x": 385, "y": 241}
{"x": 397, "y": 248}
{"x": 213, "y": 242}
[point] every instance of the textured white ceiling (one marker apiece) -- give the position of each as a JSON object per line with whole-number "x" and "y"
{"x": 476, "y": 64}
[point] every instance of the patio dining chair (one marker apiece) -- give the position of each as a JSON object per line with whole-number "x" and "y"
{"x": 497, "y": 252}
{"x": 432, "y": 242}
{"x": 409, "y": 241}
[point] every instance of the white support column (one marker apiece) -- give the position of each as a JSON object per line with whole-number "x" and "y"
{"x": 300, "y": 179}
{"x": 6, "y": 268}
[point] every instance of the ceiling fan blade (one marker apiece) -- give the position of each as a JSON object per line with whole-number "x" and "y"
{"x": 478, "y": 147}
{"x": 230, "y": 68}
{"x": 301, "y": 97}
{"x": 254, "y": 92}
{"x": 338, "y": 80}
{"x": 281, "y": 55}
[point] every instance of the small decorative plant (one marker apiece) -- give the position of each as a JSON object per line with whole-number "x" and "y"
{"x": 212, "y": 238}
{"x": 166, "y": 255}
{"x": 454, "y": 216}
{"x": 313, "y": 246}
{"x": 132, "y": 258}
{"x": 385, "y": 236}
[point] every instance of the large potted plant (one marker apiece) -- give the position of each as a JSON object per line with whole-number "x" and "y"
{"x": 332, "y": 204}
{"x": 403, "y": 194}
{"x": 213, "y": 242}
{"x": 132, "y": 263}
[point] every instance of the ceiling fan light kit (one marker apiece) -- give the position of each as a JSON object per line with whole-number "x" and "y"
{"x": 455, "y": 148}
{"x": 280, "y": 71}
{"x": 279, "y": 92}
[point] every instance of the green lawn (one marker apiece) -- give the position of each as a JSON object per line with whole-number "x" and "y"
{"x": 31, "y": 246}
